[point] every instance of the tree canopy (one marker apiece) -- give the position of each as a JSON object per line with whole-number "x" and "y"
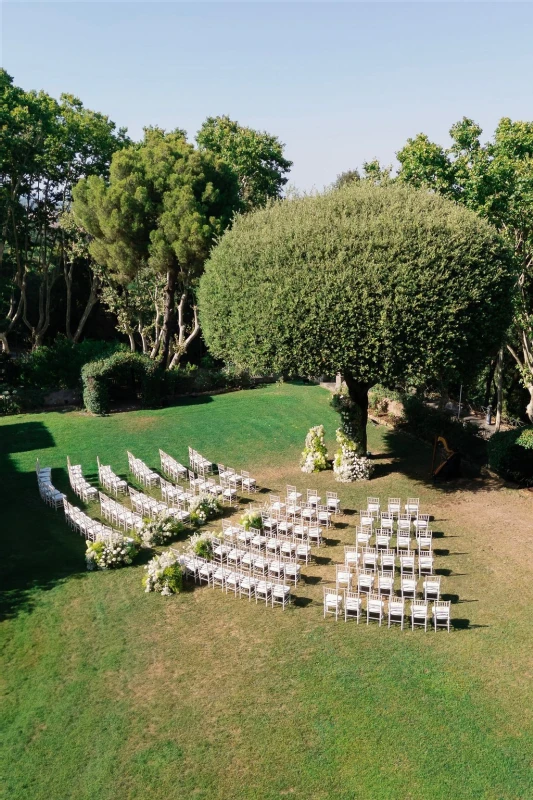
{"x": 164, "y": 204}
{"x": 494, "y": 179}
{"x": 382, "y": 284}
{"x": 46, "y": 146}
{"x": 256, "y": 157}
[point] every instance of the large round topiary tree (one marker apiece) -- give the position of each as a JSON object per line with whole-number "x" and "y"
{"x": 382, "y": 284}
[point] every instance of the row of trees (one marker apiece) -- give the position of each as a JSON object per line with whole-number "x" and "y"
{"x": 129, "y": 223}
{"x": 495, "y": 180}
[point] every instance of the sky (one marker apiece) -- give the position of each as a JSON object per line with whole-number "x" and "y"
{"x": 338, "y": 83}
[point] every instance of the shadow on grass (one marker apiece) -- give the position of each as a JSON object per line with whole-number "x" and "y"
{"x": 412, "y": 457}
{"x": 40, "y": 552}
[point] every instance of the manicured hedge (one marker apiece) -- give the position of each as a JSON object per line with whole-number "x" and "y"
{"x": 102, "y": 379}
{"x": 511, "y": 454}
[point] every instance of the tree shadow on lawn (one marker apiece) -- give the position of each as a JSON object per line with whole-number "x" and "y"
{"x": 413, "y": 457}
{"x": 37, "y": 550}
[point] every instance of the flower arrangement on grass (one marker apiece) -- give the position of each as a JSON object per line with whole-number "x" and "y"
{"x": 347, "y": 465}
{"x": 160, "y": 530}
{"x": 163, "y": 574}
{"x": 203, "y": 508}
{"x": 315, "y": 455}
{"x": 201, "y": 544}
{"x": 251, "y": 519}
{"x": 110, "y": 554}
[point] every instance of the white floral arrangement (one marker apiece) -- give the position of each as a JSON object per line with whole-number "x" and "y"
{"x": 202, "y": 508}
{"x": 163, "y": 574}
{"x": 110, "y": 553}
{"x": 315, "y": 455}
{"x": 348, "y": 466}
{"x": 160, "y": 530}
{"x": 201, "y": 544}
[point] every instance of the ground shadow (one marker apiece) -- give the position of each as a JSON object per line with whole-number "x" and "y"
{"x": 42, "y": 552}
{"x": 413, "y": 458}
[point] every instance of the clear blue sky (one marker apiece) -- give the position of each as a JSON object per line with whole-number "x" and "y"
{"x": 339, "y": 83}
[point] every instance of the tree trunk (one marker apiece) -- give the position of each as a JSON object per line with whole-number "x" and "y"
{"x": 168, "y": 316}
{"x": 5, "y": 343}
{"x": 529, "y": 407}
{"x": 131, "y": 337}
{"x": 184, "y": 341}
{"x": 488, "y": 384}
{"x": 91, "y": 302}
{"x": 499, "y": 391}
{"x": 355, "y": 415}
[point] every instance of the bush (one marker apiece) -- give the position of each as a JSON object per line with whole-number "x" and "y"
{"x": 203, "y": 508}
{"x": 315, "y": 455}
{"x": 104, "y": 381}
{"x": 110, "y": 554}
{"x": 58, "y": 366}
{"x": 379, "y": 397}
{"x": 18, "y": 401}
{"x": 160, "y": 530}
{"x": 164, "y": 575}
{"x": 348, "y": 466}
{"x": 511, "y": 454}
{"x": 190, "y": 379}
{"x": 201, "y": 544}
{"x": 251, "y": 519}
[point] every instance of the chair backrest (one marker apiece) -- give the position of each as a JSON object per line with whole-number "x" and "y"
{"x": 419, "y": 607}
{"x": 331, "y": 495}
{"x": 374, "y": 604}
{"x": 432, "y": 582}
{"x": 408, "y": 583}
{"x": 372, "y": 503}
{"x": 441, "y": 608}
{"x": 397, "y": 605}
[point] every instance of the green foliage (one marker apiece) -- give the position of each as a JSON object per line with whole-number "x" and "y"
{"x": 379, "y": 396}
{"x": 359, "y": 280}
{"x": 526, "y": 438}
{"x": 255, "y": 157}
{"x": 348, "y": 464}
{"x": 142, "y": 377}
{"x": 190, "y": 379}
{"x": 46, "y": 146}
{"x": 163, "y": 206}
{"x": 58, "y": 366}
{"x": 110, "y": 554}
{"x": 161, "y": 530}
{"x": 495, "y": 180}
{"x": 314, "y": 456}
{"x": 203, "y": 507}
{"x": 251, "y": 519}
{"x": 510, "y": 457}
{"x": 203, "y": 547}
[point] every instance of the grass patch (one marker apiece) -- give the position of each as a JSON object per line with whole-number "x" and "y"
{"x": 109, "y": 693}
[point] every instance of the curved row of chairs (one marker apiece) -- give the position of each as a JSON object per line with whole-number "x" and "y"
{"x": 51, "y": 496}
{"x": 238, "y": 582}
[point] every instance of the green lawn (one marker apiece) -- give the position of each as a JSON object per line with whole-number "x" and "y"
{"x": 109, "y": 693}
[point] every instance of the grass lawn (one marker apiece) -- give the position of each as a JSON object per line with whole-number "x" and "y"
{"x": 112, "y": 694}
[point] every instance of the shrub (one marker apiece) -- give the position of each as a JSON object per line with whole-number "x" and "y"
{"x": 203, "y": 508}
{"x": 347, "y": 465}
{"x": 251, "y": 519}
{"x": 201, "y": 544}
{"x": 160, "y": 530}
{"x": 164, "y": 575}
{"x": 133, "y": 372}
{"x": 315, "y": 455}
{"x": 58, "y": 366}
{"x": 190, "y": 379}
{"x": 510, "y": 457}
{"x": 110, "y": 554}
{"x": 379, "y": 397}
